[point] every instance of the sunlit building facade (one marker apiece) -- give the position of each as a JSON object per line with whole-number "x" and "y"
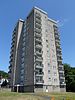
{"x": 36, "y": 55}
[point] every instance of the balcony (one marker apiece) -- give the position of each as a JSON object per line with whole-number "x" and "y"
{"x": 37, "y": 15}
{"x": 38, "y": 46}
{"x": 38, "y": 53}
{"x": 59, "y": 60}
{"x": 59, "y": 49}
{"x": 59, "y": 52}
{"x": 62, "y": 81}
{"x": 57, "y": 44}
{"x": 61, "y": 67}
{"x": 9, "y": 71}
{"x": 37, "y": 30}
{"x": 37, "y": 66}
{"x": 61, "y": 75}
{"x": 38, "y": 40}
{"x": 55, "y": 27}
{"x": 39, "y": 73}
{"x": 38, "y": 34}
{"x": 10, "y": 66}
{"x": 13, "y": 36}
{"x": 56, "y": 32}
{"x": 11, "y": 61}
{"x": 57, "y": 41}
{"x": 40, "y": 59}
{"x": 38, "y": 26}
{"x": 12, "y": 46}
{"x": 12, "y": 50}
{"x": 11, "y": 56}
{"x": 37, "y": 21}
{"x": 57, "y": 38}
{"x": 59, "y": 55}
{"x": 61, "y": 71}
{"x": 39, "y": 82}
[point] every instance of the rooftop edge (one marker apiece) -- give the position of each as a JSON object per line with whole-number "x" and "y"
{"x": 40, "y": 10}
{"x": 52, "y": 20}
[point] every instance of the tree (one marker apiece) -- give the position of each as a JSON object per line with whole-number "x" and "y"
{"x": 3, "y": 74}
{"x": 69, "y": 77}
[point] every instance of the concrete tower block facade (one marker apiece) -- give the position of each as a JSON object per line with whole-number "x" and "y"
{"x": 36, "y": 56}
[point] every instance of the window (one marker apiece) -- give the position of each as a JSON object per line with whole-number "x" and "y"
{"x": 47, "y": 51}
{"x": 47, "y": 41}
{"x": 47, "y": 46}
{"x": 48, "y": 71}
{"x": 45, "y": 16}
{"x": 53, "y": 50}
{"x": 49, "y": 79}
{"x": 46, "y": 87}
{"x": 55, "y": 80}
{"x": 54, "y": 67}
{"x": 55, "y": 73}
{"x": 53, "y": 55}
{"x": 54, "y": 60}
{"x": 48, "y": 64}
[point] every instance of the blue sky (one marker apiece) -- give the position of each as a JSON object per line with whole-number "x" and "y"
{"x": 61, "y": 10}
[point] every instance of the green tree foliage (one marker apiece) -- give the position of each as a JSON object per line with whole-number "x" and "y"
{"x": 69, "y": 77}
{"x": 3, "y": 74}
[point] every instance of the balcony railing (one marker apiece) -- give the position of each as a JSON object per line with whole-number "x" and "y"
{"x": 57, "y": 41}
{"x": 39, "y": 73}
{"x": 58, "y": 48}
{"x": 37, "y": 15}
{"x": 38, "y": 46}
{"x": 39, "y": 82}
{"x": 59, "y": 55}
{"x": 61, "y": 69}
{"x": 58, "y": 44}
{"x": 37, "y": 66}
{"x": 57, "y": 38}
{"x": 38, "y": 39}
{"x": 38, "y": 30}
{"x": 60, "y": 60}
{"x": 10, "y": 61}
{"x": 38, "y": 26}
{"x": 37, "y": 52}
{"x": 38, "y": 34}
{"x": 61, "y": 75}
{"x": 40, "y": 59}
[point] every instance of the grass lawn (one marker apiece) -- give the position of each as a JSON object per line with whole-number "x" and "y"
{"x": 60, "y": 96}
{"x": 7, "y": 95}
